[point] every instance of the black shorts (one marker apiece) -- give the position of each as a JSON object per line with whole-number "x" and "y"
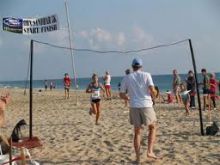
{"x": 95, "y": 100}
{"x": 206, "y": 91}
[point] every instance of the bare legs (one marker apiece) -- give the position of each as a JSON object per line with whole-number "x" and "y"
{"x": 67, "y": 93}
{"x": 178, "y": 99}
{"x": 151, "y": 141}
{"x": 186, "y": 108}
{"x": 206, "y": 101}
{"x": 137, "y": 142}
{"x": 108, "y": 92}
{"x": 96, "y": 110}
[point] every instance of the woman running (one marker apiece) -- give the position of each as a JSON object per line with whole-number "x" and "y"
{"x": 95, "y": 88}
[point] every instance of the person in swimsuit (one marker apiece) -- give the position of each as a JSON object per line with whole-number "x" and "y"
{"x": 95, "y": 88}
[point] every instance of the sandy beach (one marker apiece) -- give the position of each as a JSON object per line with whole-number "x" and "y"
{"x": 70, "y": 136}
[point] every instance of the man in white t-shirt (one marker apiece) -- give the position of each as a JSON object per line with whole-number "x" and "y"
{"x": 140, "y": 88}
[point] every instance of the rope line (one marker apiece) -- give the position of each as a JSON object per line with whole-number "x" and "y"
{"x": 111, "y": 51}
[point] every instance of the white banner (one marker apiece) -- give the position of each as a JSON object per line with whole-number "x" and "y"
{"x": 31, "y": 25}
{"x": 40, "y": 25}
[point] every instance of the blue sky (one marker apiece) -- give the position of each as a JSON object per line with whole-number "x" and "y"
{"x": 113, "y": 25}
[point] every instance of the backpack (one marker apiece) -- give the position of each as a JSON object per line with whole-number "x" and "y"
{"x": 213, "y": 129}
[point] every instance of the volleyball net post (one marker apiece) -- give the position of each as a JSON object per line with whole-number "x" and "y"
{"x": 31, "y": 89}
{"x": 197, "y": 86}
{"x": 71, "y": 50}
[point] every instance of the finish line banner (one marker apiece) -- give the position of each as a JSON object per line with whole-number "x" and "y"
{"x": 31, "y": 26}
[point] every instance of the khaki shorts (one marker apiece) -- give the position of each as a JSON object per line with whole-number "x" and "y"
{"x": 142, "y": 116}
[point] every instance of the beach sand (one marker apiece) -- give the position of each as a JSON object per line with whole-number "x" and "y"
{"x": 70, "y": 136}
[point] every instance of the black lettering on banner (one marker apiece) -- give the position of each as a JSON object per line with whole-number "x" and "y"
{"x": 43, "y": 21}
{"x": 35, "y": 30}
{"x": 31, "y": 30}
{"x": 41, "y": 25}
{"x": 54, "y": 20}
{"x": 48, "y": 28}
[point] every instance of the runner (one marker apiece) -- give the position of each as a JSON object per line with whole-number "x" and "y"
{"x": 94, "y": 88}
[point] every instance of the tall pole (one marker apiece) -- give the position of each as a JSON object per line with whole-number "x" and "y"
{"x": 197, "y": 87}
{"x": 70, "y": 43}
{"x": 28, "y": 70}
{"x": 31, "y": 87}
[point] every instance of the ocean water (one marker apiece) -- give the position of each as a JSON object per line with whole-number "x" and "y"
{"x": 164, "y": 82}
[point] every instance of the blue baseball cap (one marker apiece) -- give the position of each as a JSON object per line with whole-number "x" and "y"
{"x": 137, "y": 62}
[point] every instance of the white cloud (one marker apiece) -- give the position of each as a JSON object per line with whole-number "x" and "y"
{"x": 142, "y": 38}
{"x": 99, "y": 38}
{"x": 59, "y": 37}
{"x": 120, "y": 39}
{"x": 84, "y": 34}
{"x": 101, "y": 35}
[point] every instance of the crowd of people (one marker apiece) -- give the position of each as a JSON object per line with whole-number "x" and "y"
{"x": 185, "y": 91}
